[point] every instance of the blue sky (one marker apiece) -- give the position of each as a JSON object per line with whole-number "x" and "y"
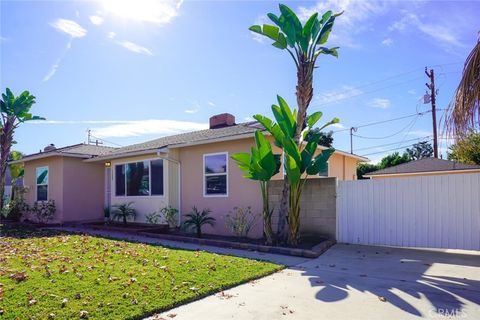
{"x": 136, "y": 70}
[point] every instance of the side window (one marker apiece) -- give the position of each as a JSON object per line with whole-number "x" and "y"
{"x": 42, "y": 183}
{"x": 215, "y": 170}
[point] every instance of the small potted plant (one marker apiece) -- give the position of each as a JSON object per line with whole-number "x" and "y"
{"x": 170, "y": 215}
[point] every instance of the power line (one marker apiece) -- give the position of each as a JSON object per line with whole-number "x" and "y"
{"x": 390, "y": 78}
{"x": 110, "y": 142}
{"x": 393, "y": 149}
{"x": 393, "y": 143}
{"x": 386, "y": 137}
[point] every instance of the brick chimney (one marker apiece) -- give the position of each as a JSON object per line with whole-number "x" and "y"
{"x": 222, "y": 120}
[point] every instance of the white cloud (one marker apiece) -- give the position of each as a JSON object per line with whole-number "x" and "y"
{"x": 50, "y": 73}
{"x": 248, "y": 119}
{"x": 56, "y": 65}
{"x": 144, "y": 127}
{"x": 441, "y": 32}
{"x": 345, "y": 92}
{"x": 79, "y": 121}
{"x": 191, "y": 111}
{"x": 135, "y": 48}
{"x": 412, "y": 92}
{"x": 69, "y": 27}
{"x": 96, "y": 20}
{"x": 387, "y": 42}
{"x": 111, "y": 35}
{"x": 338, "y": 126}
{"x": 355, "y": 19}
{"x": 153, "y": 11}
{"x": 380, "y": 103}
{"x": 2, "y": 39}
{"x": 210, "y": 103}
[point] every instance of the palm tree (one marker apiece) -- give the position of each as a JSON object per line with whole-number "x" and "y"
{"x": 304, "y": 43}
{"x": 14, "y": 111}
{"x": 124, "y": 211}
{"x": 198, "y": 219}
{"x": 464, "y": 112}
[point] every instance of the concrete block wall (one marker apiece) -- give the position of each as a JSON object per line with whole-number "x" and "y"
{"x": 317, "y": 210}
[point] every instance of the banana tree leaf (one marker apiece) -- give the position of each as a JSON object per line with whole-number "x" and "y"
{"x": 292, "y": 168}
{"x": 307, "y": 155}
{"x": 313, "y": 118}
{"x": 320, "y": 162}
{"x": 272, "y": 128}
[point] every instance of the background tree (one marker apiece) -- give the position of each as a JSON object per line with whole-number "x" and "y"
{"x": 387, "y": 161}
{"x": 261, "y": 165}
{"x": 14, "y": 111}
{"x": 463, "y": 114}
{"x": 326, "y": 138}
{"x": 394, "y": 159}
{"x": 304, "y": 43}
{"x": 467, "y": 149}
{"x": 364, "y": 168}
{"x": 420, "y": 150}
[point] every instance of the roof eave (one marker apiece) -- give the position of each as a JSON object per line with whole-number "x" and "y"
{"x": 421, "y": 173}
{"x": 50, "y": 154}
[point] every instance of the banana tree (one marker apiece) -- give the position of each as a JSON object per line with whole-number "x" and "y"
{"x": 301, "y": 159}
{"x": 14, "y": 111}
{"x": 261, "y": 165}
{"x": 304, "y": 43}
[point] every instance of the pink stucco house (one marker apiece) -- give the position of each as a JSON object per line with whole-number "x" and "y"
{"x": 183, "y": 170}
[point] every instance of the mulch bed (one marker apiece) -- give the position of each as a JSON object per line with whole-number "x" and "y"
{"x": 309, "y": 247}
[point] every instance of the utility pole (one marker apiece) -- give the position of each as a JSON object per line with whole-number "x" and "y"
{"x": 431, "y": 86}
{"x": 352, "y": 130}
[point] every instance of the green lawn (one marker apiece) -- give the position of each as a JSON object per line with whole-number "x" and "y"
{"x": 47, "y": 275}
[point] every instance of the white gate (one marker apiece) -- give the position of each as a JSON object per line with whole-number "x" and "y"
{"x": 432, "y": 211}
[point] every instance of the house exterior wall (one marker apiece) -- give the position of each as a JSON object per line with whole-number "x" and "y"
{"x": 55, "y": 184}
{"x": 142, "y": 204}
{"x": 84, "y": 190}
{"x": 76, "y": 187}
{"x": 241, "y": 191}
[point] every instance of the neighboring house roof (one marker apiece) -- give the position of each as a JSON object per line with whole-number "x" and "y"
{"x": 80, "y": 150}
{"x": 233, "y": 132}
{"x": 425, "y": 165}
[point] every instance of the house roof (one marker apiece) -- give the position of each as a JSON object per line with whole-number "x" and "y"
{"x": 425, "y": 165}
{"x": 80, "y": 150}
{"x": 234, "y": 132}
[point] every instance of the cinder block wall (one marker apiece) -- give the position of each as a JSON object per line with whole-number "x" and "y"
{"x": 318, "y": 206}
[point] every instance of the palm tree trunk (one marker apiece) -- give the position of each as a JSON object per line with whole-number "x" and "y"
{"x": 5, "y": 145}
{"x": 267, "y": 214}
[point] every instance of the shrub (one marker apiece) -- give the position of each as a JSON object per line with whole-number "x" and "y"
{"x": 170, "y": 215}
{"x": 44, "y": 211}
{"x": 124, "y": 211}
{"x": 197, "y": 219}
{"x": 152, "y": 217}
{"x": 14, "y": 209}
{"x": 241, "y": 221}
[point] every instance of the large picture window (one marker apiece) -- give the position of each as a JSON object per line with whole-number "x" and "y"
{"x": 42, "y": 183}
{"x": 215, "y": 170}
{"x": 142, "y": 178}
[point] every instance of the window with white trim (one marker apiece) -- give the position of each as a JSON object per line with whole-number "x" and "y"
{"x": 142, "y": 178}
{"x": 41, "y": 175}
{"x": 215, "y": 174}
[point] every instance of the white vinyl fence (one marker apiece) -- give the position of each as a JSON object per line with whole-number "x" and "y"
{"x": 432, "y": 211}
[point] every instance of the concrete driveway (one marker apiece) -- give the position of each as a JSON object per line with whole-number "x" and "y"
{"x": 354, "y": 282}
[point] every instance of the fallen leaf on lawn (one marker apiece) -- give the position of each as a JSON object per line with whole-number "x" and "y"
{"x": 51, "y": 316}
{"x": 171, "y": 315}
{"x": 19, "y": 276}
{"x": 64, "y": 302}
{"x": 83, "y": 314}
{"x": 194, "y": 288}
{"x": 383, "y": 299}
{"x": 32, "y": 302}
